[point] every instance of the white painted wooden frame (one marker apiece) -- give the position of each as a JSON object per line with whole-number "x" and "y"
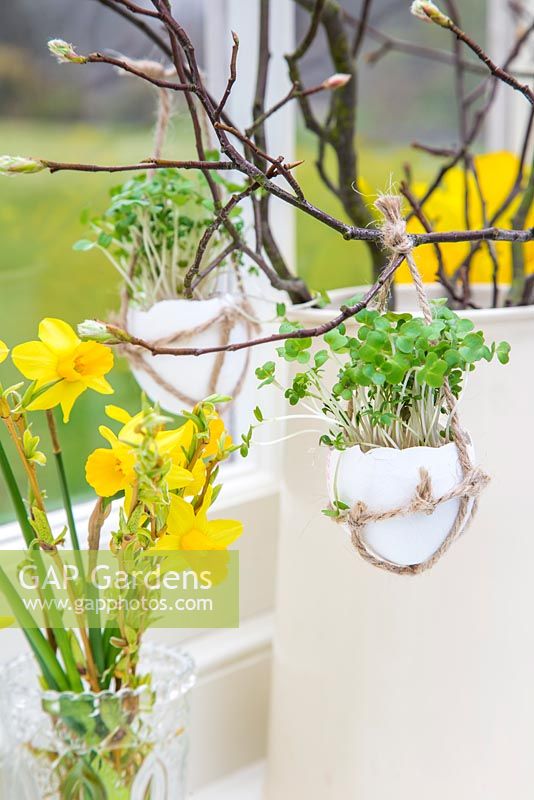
{"x": 508, "y": 117}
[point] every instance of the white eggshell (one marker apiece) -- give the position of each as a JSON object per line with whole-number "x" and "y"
{"x": 387, "y": 478}
{"x": 188, "y": 374}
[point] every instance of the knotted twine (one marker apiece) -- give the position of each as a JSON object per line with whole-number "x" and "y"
{"x": 396, "y": 239}
{"x": 228, "y": 316}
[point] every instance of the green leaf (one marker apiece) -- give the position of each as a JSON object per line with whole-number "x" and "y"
{"x": 503, "y": 352}
{"x": 405, "y": 344}
{"x": 320, "y": 358}
{"x": 82, "y": 245}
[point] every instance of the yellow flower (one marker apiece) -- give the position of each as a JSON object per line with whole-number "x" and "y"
{"x": 445, "y": 210}
{"x": 218, "y": 436}
{"x": 189, "y": 531}
{"x": 111, "y": 470}
{"x": 4, "y": 351}
{"x": 61, "y": 359}
{"x": 169, "y": 443}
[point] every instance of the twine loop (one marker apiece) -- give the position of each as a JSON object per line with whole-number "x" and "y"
{"x": 396, "y": 239}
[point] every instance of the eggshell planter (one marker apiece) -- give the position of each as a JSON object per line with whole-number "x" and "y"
{"x": 385, "y": 479}
{"x": 188, "y": 375}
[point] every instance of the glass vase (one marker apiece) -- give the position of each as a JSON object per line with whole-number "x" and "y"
{"x": 129, "y": 744}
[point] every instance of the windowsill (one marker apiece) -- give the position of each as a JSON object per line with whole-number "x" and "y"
{"x": 243, "y": 785}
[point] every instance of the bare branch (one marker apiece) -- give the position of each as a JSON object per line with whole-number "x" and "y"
{"x": 128, "y": 66}
{"x": 362, "y": 27}
{"x": 231, "y": 79}
{"x": 63, "y": 166}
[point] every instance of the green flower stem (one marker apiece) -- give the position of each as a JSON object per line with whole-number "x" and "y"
{"x": 16, "y": 499}
{"x": 52, "y": 671}
{"x": 95, "y": 633}
{"x": 29, "y": 537}
{"x": 58, "y": 456}
{"x": 111, "y": 652}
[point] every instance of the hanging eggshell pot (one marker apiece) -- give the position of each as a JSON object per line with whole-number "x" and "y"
{"x": 180, "y": 382}
{"x": 384, "y": 479}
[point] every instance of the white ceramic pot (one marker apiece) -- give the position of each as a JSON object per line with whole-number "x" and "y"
{"x": 178, "y": 382}
{"x": 412, "y": 687}
{"x": 385, "y": 479}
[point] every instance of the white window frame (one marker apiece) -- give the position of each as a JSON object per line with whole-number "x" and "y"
{"x": 508, "y": 117}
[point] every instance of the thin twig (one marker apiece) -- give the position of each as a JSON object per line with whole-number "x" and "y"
{"x": 127, "y": 66}
{"x": 233, "y": 76}
{"x": 362, "y": 27}
{"x": 162, "y": 163}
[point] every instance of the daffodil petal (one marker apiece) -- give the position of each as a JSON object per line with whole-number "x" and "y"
{"x": 58, "y": 335}
{"x": 181, "y": 440}
{"x": 222, "y": 532}
{"x": 71, "y": 392}
{"x": 181, "y": 516}
{"x": 199, "y": 475}
{"x": 129, "y": 432}
{"x": 50, "y": 397}
{"x": 108, "y": 435}
{"x": 169, "y": 441}
{"x": 179, "y": 478}
{"x": 100, "y": 385}
{"x": 36, "y": 361}
{"x": 118, "y": 414}
{"x": 4, "y": 351}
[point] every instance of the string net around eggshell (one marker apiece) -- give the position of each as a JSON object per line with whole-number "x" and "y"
{"x": 399, "y": 243}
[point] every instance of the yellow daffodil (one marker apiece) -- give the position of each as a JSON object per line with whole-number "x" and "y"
{"x": 174, "y": 444}
{"x": 112, "y": 470}
{"x": 63, "y": 366}
{"x": 4, "y": 351}
{"x": 187, "y": 530}
{"x": 218, "y": 438}
{"x": 496, "y": 173}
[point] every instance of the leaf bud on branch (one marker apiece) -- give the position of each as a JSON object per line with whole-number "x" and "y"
{"x": 336, "y": 81}
{"x": 18, "y": 165}
{"x": 104, "y": 332}
{"x": 429, "y": 12}
{"x": 65, "y": 52}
